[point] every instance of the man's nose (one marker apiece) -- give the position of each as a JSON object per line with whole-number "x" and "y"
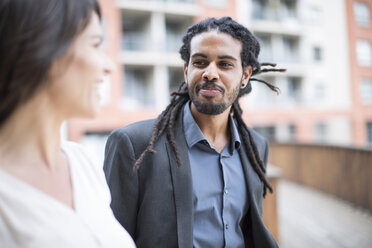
{"x": 211, "y": 73}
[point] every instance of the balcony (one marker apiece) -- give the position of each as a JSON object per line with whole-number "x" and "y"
{"x": 138, "y": 88}
{"x": 344, "y": 172}
{"x": 179, "y": 7}
{"x": 175, "y": 27}
{"x": 276, "y": 16}
{"x": 274, "y": 10}
{"x": 135, "y": 29}
{"x": 279, "y": 48}
{"x": 324, "y": 197}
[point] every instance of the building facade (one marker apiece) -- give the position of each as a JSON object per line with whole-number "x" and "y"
{"x": 360, "y": 56}
{"x": 309, "y": 38}
{"x": 326, "y": 93}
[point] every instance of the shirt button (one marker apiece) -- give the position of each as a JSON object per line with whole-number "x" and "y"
{"x": 227, "y": 226}
{"x": 225, "y": 191}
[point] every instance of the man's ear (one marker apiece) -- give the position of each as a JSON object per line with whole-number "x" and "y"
{"x": 185, "y": 72}
{"x": 247, "y": 72}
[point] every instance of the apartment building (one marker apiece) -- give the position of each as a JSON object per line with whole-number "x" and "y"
{"x": 308, "y": 37}
{"x": 360, "y": 56}
{"x": 327, "y": 91}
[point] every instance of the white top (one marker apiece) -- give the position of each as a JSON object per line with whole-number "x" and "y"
{"x": 30, "y": 218}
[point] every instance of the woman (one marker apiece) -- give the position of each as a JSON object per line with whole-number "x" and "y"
{"x": 51, "y": 194}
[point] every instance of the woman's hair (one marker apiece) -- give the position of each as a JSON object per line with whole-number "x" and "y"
{"x": 34, "y": 33}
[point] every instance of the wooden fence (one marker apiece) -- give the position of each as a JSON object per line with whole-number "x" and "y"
{"x": 270, "y": 206}
{"x": 341, "y": 171}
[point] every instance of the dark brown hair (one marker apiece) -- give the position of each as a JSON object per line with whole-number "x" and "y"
{"x": 33, "y": 35}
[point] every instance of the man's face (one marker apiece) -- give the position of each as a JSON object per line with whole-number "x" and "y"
{"x": 214, "y": 74}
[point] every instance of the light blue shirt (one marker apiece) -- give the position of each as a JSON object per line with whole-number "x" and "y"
{"x": 219, "y": 187}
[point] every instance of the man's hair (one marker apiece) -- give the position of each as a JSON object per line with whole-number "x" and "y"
{"x": 33, "y": 35}
{"x": 250, "y": 49}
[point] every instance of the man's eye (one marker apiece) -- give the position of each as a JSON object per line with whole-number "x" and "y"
{"x": 199, "y": 63}
{"x": 226, "y": 64}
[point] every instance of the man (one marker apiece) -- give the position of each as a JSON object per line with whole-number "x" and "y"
{"x": 196, "y": 175}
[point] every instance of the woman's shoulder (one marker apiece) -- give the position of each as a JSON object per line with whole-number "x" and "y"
{"x": 85, "y": 169}
{"x": 81, "y": 162}
{"x": 76, "y": 153}
{"x": 72, "y": 147}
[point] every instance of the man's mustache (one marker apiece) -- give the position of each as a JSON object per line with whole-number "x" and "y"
{"x": 209, "y": 85}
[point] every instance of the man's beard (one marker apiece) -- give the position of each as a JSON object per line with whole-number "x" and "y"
{"x": 213, "y": 108}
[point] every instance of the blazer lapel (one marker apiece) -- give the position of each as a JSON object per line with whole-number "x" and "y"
{"x": 182, "y": 187}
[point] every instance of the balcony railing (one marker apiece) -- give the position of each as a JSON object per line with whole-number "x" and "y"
{"x": 344, "y": 172}
{"x": 274, "y": 11}
{"x": 132, "y": 41}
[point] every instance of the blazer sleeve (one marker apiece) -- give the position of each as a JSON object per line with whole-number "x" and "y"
{"x": 122, "y": 180}
{"x": 266, "y": 154}
{"x": 264, "y": 159}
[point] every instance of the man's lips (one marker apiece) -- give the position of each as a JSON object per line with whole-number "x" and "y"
{"x": 209, "y": 89}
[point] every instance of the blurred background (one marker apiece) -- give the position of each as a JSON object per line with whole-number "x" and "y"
{"x": 319, "y": 127}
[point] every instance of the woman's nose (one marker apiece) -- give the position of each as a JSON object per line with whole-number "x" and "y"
{"x": 108, "y": 66}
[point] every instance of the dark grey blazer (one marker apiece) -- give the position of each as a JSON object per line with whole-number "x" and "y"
{"x": 155, "y": 203}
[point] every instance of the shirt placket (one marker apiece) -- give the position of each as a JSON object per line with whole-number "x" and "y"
{"x": 225, "y": 200}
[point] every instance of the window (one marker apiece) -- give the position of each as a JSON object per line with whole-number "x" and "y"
{"x": 292, "y": 132}
{"x": 364, "y": 54}
{"x": 261, "y": 9}
{"x": 287, "y": 47}
{"x": 267, "y": 131}
{"x": 288, "y": 8}
{"x": 320, "y": 132}
{"x": 278, "y": 10}
{"x": 294, "y": 89}
{"x": 174, "y": 36}
{"x": 135, "y": 31}
{"x": 319, "y": 92}
{"x": 138, "y": 90}
{"x": 366, "y": 91}
{"x": 176, "y": 77}
{"x": 315, "y": 15}
{"x": 175, "y": 28}
{"x": 216, "y": 3}
{"x": 317, "y": 54}
{"x": 266, "y": 53}
{"x": 369, "y": 133}
{"x": 290, "y": 49}
{"x": 361, "y": 13}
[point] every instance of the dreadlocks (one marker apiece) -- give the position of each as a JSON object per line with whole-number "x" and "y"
{"x": 249, "y": 54}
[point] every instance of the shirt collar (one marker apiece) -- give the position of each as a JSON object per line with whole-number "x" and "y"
{"x": 194, "y": 135}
